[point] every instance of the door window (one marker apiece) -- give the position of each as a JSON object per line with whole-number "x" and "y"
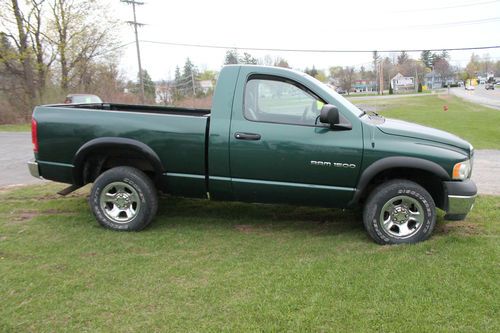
{"x": 280, "y": 102}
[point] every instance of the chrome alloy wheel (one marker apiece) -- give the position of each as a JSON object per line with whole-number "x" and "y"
{"x": 402, "y": 216}
{"x": 120, "y": 202}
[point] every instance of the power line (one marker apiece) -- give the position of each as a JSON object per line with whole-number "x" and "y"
{"x": 113, "y": 49}
{"x": 446, "y": 7}
{"x": 316, "y": 50}
{"x": 444, "y": 25}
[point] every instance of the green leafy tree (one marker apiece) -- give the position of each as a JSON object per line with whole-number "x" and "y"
{"x": 207, "y": 75}
{"x": 335, "y": 72}
{"x": 149, "y": 87}
{"x": 190, "y": 85}
{"x": 313, "y": 71}
{"x": 403, "y": 58}
{"x": 427, "y": 58}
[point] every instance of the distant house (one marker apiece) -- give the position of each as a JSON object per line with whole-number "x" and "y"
{"x": 206, "y": 85}
{"x": 364, "y": 85}
{"x": 163, "y": 93}
{"x": 401, "y": 82}
{"x": 433, "y": 80}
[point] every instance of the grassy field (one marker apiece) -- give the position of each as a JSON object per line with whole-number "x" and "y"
{"x": 15, "y": 127}
{"x": 475, "y": 123}
{"x": 215, "y": 266}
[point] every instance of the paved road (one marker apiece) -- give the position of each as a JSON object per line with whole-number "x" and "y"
{"x": 16, "y": 150}
{"x": 490, "y": 98}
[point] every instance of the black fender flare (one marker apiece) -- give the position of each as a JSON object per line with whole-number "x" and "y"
{"x": 108, "y": 143}
{"x": 397, "y": 162}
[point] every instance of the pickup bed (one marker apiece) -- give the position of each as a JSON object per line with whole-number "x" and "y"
{"x": 273, "y": 135}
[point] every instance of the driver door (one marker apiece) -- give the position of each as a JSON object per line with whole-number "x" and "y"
{"x": 279, "y": 153}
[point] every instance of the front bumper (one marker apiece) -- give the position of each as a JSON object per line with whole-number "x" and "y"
{"x": 460, "y": 199}
{"x": 33, "y": 168}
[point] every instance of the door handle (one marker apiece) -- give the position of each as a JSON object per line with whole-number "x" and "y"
{"x": 247, "y": 136}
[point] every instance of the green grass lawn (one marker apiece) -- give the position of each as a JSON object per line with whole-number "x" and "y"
{"x": 15, "y": 127}
{"x": 215, "y": 266}
{"x": 475, "y": 123}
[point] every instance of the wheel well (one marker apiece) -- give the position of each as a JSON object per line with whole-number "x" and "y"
{"x": 98, "y": 162}
{"x": 432, "y": 183}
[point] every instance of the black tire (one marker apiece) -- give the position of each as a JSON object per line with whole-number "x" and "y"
{"x": 399, "y": 211}
{"x": 124, "y": 199}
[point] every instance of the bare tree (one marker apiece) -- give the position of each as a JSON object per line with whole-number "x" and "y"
{"x": 281, "y": 62}
{"x": 43, "y": 53}
{"x": 346, "y": 78}
{"x": 19, "y": 37}
{"x": 442, "y": 67}
{"x": 77, "y": 37}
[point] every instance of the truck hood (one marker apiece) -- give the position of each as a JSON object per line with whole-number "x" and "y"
{"x": 403, "y": 128}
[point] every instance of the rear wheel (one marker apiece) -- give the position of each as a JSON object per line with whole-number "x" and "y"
{"x": 124, "y": 198}
{"x": 399, "y": 211}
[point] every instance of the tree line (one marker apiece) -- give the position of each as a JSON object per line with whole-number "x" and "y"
{"x": 50, "y": 47}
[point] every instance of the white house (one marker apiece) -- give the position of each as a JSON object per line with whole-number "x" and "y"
{"x": 401, "y": 82}
{"x": 206, "y": 85}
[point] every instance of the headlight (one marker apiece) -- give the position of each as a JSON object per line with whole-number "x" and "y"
{"x": 462, "y": 170}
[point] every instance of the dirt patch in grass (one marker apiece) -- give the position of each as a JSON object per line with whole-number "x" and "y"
{"x": 461, "y": 228}
{"x": 16, "y": 256}
{"x": 245, "y": 228}
{"x": 27, "y": 215}
{"x": 54, "y": 267}
{"x": 445, "y": 97}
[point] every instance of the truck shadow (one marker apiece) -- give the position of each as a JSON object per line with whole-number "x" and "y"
{"x": 174, "y": 212}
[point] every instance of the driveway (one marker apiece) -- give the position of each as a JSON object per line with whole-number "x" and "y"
{"x": 16, "y": 150}
{"x": 490, "y": 98}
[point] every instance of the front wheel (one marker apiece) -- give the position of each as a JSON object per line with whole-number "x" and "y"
{"x": 399, "y": 211}
{"x": 123, "y": 198}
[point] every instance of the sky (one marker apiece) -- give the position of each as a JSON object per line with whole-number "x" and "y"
{"x": 312, "y": 24}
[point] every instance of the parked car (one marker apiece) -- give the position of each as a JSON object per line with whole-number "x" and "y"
{"x": 469, "y": 87}
{"x": 490, "y": 85}
{"x": 273, "y": 135}
{"x": 82, "y": 99}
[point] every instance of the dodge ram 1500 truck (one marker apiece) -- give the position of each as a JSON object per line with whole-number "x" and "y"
{"x": 273, "y": 135}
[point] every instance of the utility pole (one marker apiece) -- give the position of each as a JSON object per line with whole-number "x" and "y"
{"x": 136, "y": 24}
{"x": 416, "y": 79}
{"x": 192, "y": 82}
{"x": 381, "y": 78}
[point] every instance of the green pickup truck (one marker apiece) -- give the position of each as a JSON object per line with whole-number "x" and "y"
{"x": 273, "y": 135}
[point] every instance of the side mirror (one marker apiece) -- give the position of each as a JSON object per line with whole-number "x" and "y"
{"x": 330, "y": 115}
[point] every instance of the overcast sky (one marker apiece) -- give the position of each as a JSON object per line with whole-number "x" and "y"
{"x": 312, "y": 24}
